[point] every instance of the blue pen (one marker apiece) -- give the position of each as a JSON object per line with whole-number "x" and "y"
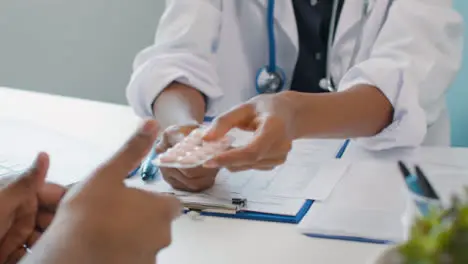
{"x": 134, "y": 172}
{"x": 420, "y": 186}
{"x": 149, "y": 171}
{"x": 430, "y": 192}
{"x": 410, "y": 179}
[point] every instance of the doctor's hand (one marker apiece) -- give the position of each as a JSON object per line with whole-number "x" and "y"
{"x": 271, "y": 118}
{"x": 101, "y": 220}
{"x": 27, "y": 206}
{"x": 192, "y": 180}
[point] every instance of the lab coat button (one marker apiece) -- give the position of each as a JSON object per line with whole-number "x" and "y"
{"x": 318, "y": 56}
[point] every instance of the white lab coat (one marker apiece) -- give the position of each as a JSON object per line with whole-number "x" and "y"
{"x": 410, "y": 49}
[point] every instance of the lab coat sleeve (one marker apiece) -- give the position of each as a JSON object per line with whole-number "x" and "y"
{"x": 416, "y": 56}
{"x": 184, "y": 51}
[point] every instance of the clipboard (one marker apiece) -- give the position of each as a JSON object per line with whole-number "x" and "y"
{"x": 227, "y": 209}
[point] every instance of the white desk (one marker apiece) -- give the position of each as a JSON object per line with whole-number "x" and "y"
{"x": 209, "y": 241}
{"x": 436, "y": 155}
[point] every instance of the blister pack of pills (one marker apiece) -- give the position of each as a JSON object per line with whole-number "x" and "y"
{"x": 192, "y": 151}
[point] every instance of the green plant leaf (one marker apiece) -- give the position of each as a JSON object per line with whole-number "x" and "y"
{"x": 441, "y": 237}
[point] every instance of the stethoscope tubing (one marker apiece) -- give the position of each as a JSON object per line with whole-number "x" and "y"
{"x": 325, "y": 83}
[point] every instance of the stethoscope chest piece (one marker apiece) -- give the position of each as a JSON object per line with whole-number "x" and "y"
{"x": 269, "y": 82}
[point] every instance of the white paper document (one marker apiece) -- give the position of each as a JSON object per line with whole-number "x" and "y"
{"x": 301, "y": 179}
{"x": 301, "y": 176}
{"x": 281, "y": 191}
{"x": 371, "y": 201}
{"x": 71, "y": 160}
{"x": 348, "y": 222}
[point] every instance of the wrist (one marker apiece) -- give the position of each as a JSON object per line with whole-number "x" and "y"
{"x": 179, "y": 104}
{"x": 293, "y": 102}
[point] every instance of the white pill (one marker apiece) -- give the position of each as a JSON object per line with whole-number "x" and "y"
{"x": 199, "y": 153}
{"x": 192, "y": 141}
{"x": 197, "y": 134}
{"x": 209, "y": 151}
{"x": 167, "y": 158}
{"x": 197, "y": 149}
{"x": 208, "y": 144}
{"x": 188, "y": 160}
{"x": 187, "y": 148}
{"x": 176, "y": 152}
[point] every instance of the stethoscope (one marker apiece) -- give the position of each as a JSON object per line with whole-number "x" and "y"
{"x": 272, "y": 79}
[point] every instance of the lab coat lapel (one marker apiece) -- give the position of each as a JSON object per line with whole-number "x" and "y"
{"x": 373, "y": 26}
{"x": 349, "y": 19}
{"x": 285, "y": 18}
{"x": 350, "y": 23}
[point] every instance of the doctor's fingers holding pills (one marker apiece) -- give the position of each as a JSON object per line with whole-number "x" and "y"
{"x": 271, "y": 118}
{"x": 193, "y": 179}
{"x": 103, "y": 208}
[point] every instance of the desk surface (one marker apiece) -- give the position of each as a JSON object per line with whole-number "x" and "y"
{"x": 205, "y": 241}
{"x": 455, "y": 156}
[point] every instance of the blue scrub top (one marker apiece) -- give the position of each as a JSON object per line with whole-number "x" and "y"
{"x": 313, "y": 25}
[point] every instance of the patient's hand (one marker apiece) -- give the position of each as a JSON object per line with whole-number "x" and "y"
{"x": 27, "y": 207}
{"x": 101, "y": 220}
